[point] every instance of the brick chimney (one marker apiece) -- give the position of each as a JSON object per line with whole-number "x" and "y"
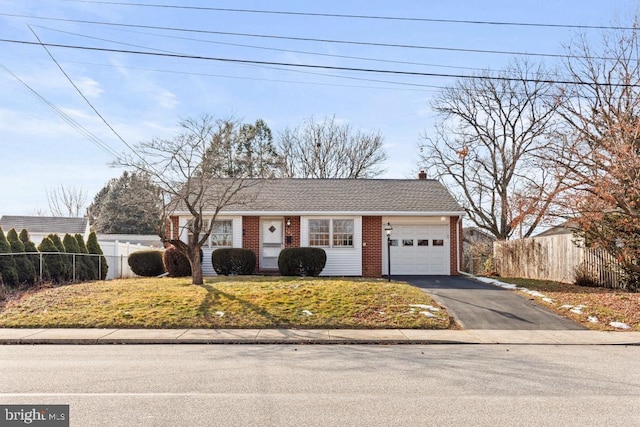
{"x": 422, "y": 174}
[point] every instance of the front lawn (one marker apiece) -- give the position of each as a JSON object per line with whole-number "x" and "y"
{"x": 224, "y": 302}
{"x": 595, "y": 308}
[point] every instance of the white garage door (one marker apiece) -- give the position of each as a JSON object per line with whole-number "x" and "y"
{"x": 420, "y": 249}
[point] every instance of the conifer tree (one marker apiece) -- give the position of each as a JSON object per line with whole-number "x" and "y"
{"x": 67, "y": 272}
{"x": 55, "y": 267}
{"x": 78, "y": 272}
{"x": 100, "y": 263}
{"x": 89, "y": 270}
{"x": 24, "y": 267}
{"x": 30, "y": 247}
{"x": 8, "y": 269}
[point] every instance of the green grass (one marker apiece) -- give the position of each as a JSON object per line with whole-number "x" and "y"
{"x": 223, "y": 302}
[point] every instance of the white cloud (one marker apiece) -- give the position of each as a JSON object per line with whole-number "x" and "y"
{"x": 89, "y": 87}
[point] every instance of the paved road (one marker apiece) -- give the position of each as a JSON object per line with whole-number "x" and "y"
{"x": 477, "y": 305}
{"x": 263, "y": 385}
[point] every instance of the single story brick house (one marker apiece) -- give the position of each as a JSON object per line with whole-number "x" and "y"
{"x": 347, "y": 218}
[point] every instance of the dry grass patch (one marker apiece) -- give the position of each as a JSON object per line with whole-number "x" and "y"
{"x": 223, "y": 302}
{"x": 607, "y": 305}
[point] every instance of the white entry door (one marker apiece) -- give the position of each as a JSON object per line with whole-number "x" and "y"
{"x": 271, "y": 241}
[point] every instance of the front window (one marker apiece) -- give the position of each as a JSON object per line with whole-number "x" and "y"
{"x": 343, "y": 233}
{"x": 335, "y": 233}
{"x": 319, "y": 232}
{"x": 221, "y": 234}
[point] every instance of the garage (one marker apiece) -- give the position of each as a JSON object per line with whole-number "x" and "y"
{"x": 419, "y": 249}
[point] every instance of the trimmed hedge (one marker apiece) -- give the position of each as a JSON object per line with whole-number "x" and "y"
{"x": 146, "y": 263}
{"x": 177, "y": 264}
{"x": 302, "y": 261}
{"x": 233, "y": 261}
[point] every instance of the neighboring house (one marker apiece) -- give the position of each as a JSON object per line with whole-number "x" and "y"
{"x": 41, "y": 226}
{"x": 567, "y": 227}
{"x": 345, "y": 217}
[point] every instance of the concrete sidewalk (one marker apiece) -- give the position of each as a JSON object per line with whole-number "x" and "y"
{"x": 314, "y": 336}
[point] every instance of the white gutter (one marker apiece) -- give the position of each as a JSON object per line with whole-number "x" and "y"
{"x": 321, "y": 213}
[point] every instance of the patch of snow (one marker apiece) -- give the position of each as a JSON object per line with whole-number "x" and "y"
{"x": 220, "y": 313}
{"x": 307, "y": 313}
{"x": 566, "y": 306}
{"x": 576, "y": 310}
{"x": 619, "y": 325}
{"x": 428, "y": 314}
{"x": 549, "y": 300}
{"x": 428, "y": 307}
{"x": 593, "y": 319}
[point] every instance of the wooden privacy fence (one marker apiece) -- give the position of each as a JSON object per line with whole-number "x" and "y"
{"x": 559, "y": 258}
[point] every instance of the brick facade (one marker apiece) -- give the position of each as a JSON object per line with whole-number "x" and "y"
{"x": 371, "y": 246}
{"x": 173, "y": 228}
{"x": 292, "y": 232}
{"x": 455, "y": 231}
{"x": 251, "y": 236}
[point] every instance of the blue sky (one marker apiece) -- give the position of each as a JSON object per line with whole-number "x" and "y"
{"x": 143, "y": 97}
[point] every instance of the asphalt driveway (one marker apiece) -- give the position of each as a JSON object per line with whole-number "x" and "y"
{"x": 476, "y": 305}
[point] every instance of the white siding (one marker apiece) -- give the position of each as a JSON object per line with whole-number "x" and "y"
{"x": 340, "y": 261}
{"x": 207, "y": 266}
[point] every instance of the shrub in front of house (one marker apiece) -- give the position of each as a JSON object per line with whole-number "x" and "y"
{"x": 146, "y": 263}
{"x": 302, "y": 261}
{"x": 233, "y": 261}
{"x": 176, "y": 263}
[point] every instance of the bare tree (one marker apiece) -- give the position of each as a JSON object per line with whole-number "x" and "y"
{"x": 489, "y": 144}
{"x": 601, "y": 146}
{"x": 328, "y": 149}
{"x": 66, "y": 201}
{"x": 190, "y": 171}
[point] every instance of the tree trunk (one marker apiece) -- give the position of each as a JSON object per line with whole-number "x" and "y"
{"x": 196, "y": 268}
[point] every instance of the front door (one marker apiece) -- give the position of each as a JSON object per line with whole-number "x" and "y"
{"x": 272, "y": 238}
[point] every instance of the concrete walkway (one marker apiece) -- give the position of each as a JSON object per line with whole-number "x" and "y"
{"x": 314, "y": 336}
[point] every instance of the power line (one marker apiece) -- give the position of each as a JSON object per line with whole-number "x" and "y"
{"x": 369, "y": 17}
{"x": 307, "y": 39}
{"x": 329, "y": 55}
{"x": 317, "y": 66}
{"x": 64, "y": 116}
{"x": 89, "y": 102}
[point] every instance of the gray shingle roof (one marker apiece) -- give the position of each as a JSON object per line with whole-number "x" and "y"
{"x": 44, "y": 224}
{"x": 390, "y": 196}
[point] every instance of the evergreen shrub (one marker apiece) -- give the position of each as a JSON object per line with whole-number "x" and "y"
{"x": 302, "y": 261}
{"x": 146, "y": 263}
{"x": 233, "y": 261}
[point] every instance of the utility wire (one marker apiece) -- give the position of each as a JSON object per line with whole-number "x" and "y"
{"x": 254, "y": 65}
{"x": 325, "y": 67}
{"x": 370, "y": 17}
{"x": 68, "y": 119}
{"x": 308, "y": 39}
{"x": 89, "y": 102}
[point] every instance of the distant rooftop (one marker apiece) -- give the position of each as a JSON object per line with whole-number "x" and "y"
{"x": 44, "y": 224}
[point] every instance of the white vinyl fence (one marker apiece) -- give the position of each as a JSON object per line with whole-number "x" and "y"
{"x": 117, "y": 254}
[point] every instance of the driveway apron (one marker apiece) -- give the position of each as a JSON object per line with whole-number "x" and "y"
{"x": 476, "y": 305}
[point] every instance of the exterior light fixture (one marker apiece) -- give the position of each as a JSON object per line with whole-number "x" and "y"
{"x": 388, "y": 229}
{"x": 288, "y": 222}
